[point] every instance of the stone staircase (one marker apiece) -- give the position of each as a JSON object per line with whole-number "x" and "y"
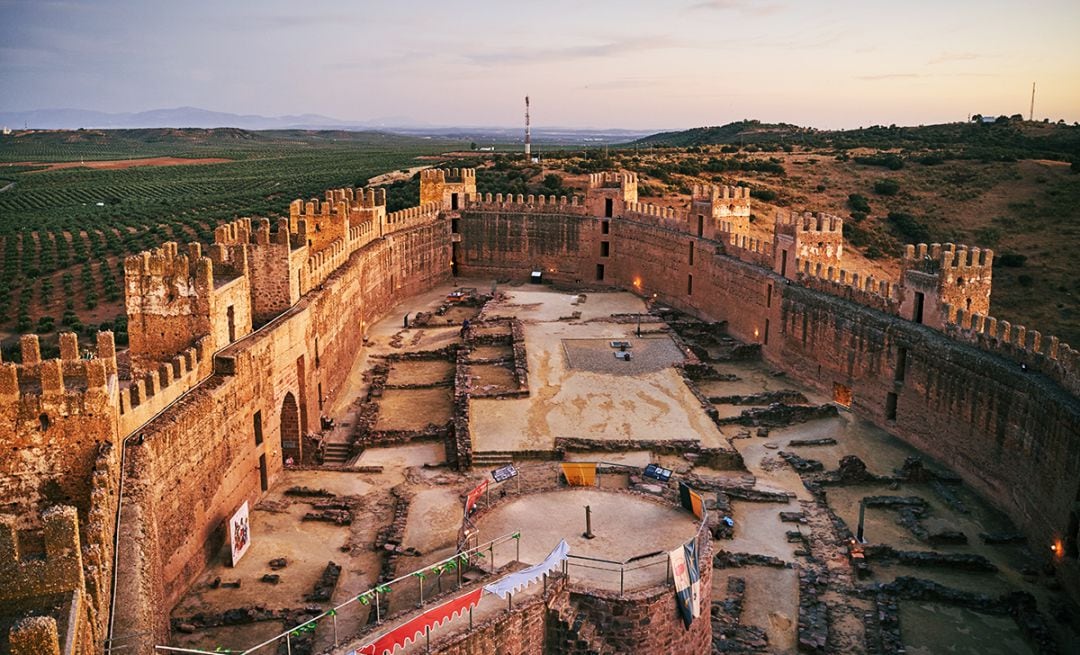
{"x": 336, "y": 452}
{"x": 492, "y": 458}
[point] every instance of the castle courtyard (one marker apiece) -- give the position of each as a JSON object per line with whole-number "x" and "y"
{"x": 578, "y": 391}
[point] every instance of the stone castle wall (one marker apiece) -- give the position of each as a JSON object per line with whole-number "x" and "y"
{"x": 962, "y": 397}
{"x": 199, "y": 461}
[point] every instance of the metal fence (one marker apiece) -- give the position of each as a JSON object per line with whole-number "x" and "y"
{"x": 638, "y": 572}
{"x": 421, "y": 585}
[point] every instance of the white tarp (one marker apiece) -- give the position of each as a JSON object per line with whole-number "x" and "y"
{"x": 525, "y": 577}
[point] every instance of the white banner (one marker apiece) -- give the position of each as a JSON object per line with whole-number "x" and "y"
{"x": 239, "y": 533}
{"x": 525, "y": 577}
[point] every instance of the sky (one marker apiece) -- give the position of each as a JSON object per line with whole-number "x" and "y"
{"x": 638, "y": 64}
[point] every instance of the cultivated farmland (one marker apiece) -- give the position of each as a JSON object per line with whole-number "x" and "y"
{"x": 64, "y": 232}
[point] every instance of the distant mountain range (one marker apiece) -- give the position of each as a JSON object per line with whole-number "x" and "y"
{"x": 70, "y": 119}
{"x": 181, "y": 117}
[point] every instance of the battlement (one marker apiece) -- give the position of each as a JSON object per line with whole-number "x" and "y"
{"x": 666, "y": 217}
{"x": 156, "y": 387}
{"x": 59, "y": 571}
{"x": 749, "y": 249}
{"x": 167, "y": 265}
{"x": 409, "y": 217}
{"x": 807, "y": 222}
{"x": 236, "y": 232}
{"x": 1047, "y": 355}
{"x": 715, "y": 194}
{"x": 70, "y": 383}
{"x": 359, "y": 198}
{"x": 866, "y": 290}
{"x": 936, "y": 256}
{"x": 527, "y": 204}
{"x": 443, "y": 175}
{"x": 612, "y": 179}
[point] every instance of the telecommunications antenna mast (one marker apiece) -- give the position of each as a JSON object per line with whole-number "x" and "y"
{"x": 528, "y": 136}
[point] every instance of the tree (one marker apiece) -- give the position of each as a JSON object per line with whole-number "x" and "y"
{"x": 472, "y": 146}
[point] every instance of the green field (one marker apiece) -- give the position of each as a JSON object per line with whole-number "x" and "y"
{"x": 63, "y": 233}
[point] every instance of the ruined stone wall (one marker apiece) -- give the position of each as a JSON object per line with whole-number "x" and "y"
{"x": 57, "y": 573}
{"x": 1011, "y": 434}
{"x": 198, "y": 462}
{"x": 56, "y": 414}
{"x": 586, "y": 620}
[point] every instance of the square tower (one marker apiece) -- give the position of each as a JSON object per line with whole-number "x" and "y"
{"x": 451, "y": 188}
{"x": 610, "y": 192}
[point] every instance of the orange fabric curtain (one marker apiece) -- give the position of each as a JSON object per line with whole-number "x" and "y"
{"x": 580, "y": 475}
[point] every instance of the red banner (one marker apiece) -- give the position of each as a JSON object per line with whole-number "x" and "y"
{"x": 474, "y": 497}
{"x": 414, "y": 629}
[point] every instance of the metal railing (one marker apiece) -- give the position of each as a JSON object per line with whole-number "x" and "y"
{"x": 637, "y": 572}
{"x": 376, "y": 595}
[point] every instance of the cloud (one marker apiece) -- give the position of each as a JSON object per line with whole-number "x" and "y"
{"x": 593, "y": 51}
{"x": 741, "y": 6}
{"x": 889, "y": 76}
{"x": 947, "y": 57}
{"x": 911, "y": 76}
{"x": 624, "y": 83}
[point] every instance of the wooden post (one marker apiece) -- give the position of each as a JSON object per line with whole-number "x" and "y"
{"x": 862, "y": 517}
{"x": 588, "y": 523}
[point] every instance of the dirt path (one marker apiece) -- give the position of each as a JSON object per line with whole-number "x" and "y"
{"x": 396, "y": 176}
{"x": 6, "y": 187}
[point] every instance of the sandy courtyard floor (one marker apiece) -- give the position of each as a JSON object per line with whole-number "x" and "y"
{"x": 569, "y": 402}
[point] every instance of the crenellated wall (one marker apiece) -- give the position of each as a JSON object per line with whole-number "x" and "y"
{"x": 914, "y": 355}
{"x": 198, "y": 461}
{"x": 964, "y": 396}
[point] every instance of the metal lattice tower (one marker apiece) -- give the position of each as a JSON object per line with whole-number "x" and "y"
{"x": 528, "y": 135}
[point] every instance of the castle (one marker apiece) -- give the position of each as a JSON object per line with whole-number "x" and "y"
{"x": 134, "y": 460}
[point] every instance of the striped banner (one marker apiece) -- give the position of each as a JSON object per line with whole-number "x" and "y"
{"x": 684, "y": 568}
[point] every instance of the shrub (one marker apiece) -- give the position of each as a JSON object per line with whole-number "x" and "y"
{"x": 45, "y": 324}
{"x": 887, "y": 187}
{"x": 768, "y": 195}
{"x": 1011, "y": 260}
{"x": 858, "y": 203}
{"x": 988, "y": 235}
{"x": 909, "y": 227}
{"x": 889, "y": 161}
{"x": 1025, "y": 281}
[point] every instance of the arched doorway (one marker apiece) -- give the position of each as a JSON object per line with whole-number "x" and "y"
{"x": 290, "y": 430}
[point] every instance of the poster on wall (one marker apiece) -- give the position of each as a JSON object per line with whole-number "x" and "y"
{"x": 239, "y": 533}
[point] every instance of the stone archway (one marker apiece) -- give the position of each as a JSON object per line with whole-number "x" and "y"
{"x": 290, "y": 430}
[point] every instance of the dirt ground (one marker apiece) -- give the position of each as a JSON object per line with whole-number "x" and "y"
{"x": 420, "y": 372}
{"x": 111, "y": 164}
{"x": 565, "y": 402}
{"x": 413, "y": 409}
{"x": 623, "y": 526}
